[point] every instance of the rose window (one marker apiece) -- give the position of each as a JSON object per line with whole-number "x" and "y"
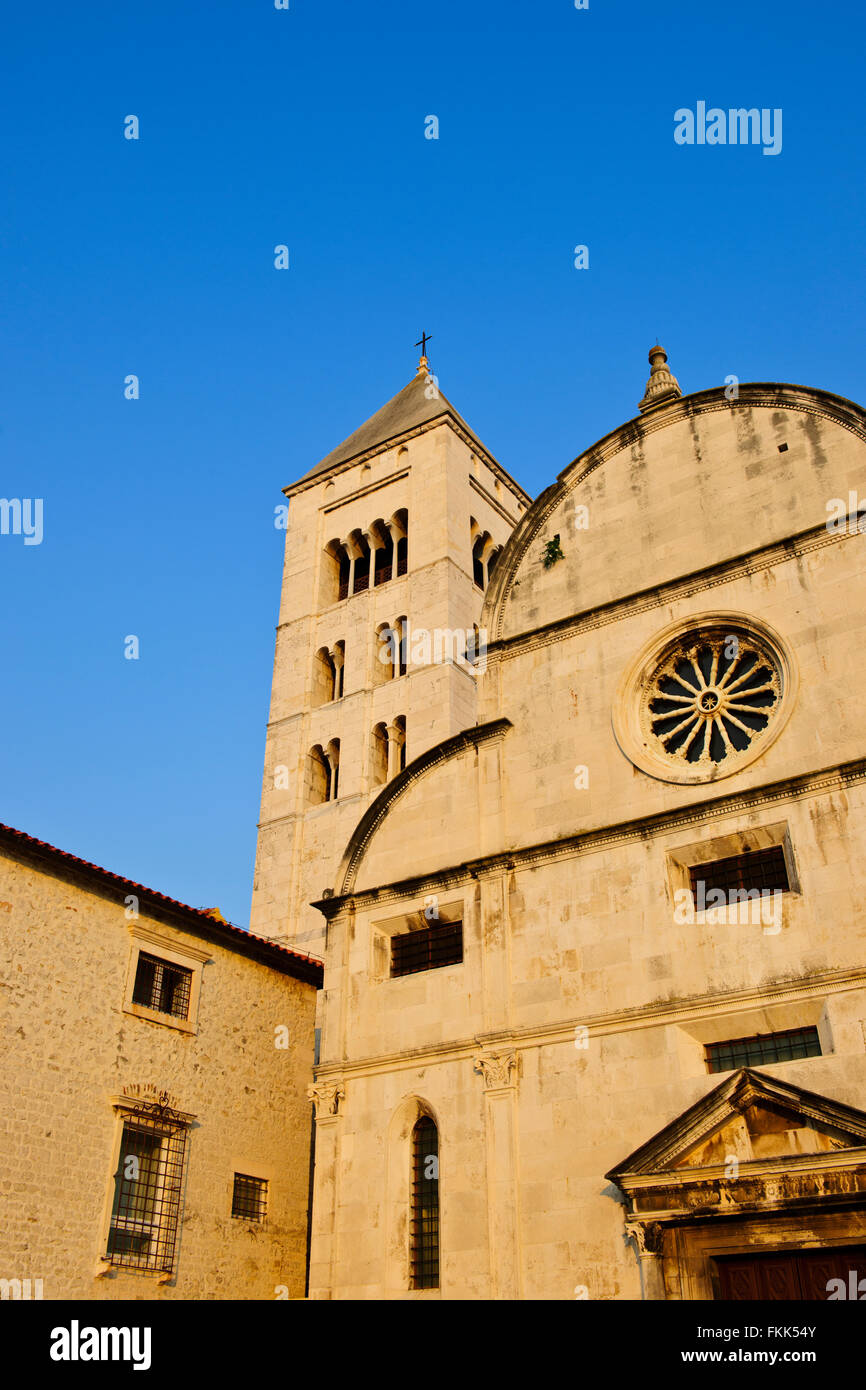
{"x": 711, "y": 697}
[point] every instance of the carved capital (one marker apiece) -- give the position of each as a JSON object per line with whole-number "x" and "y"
{"x": 647, "y": 1236}
{"x": 497, "y": 1068}
{"x": 326, "y": 1096}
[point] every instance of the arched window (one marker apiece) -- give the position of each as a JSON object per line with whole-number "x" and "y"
{"x": 491, "y": 563}
{"x": 362, "y": 564}
{"x": 333, "y": 756}
{"x": 384, "y": 561}
{"x": 401, "y": 650}
{"x": 401, "y": 520}
{"x": 339, "y": 660}
{"x": 424, "y": 1225}
{"x": 379, "y": 756}
{"x": 318, "y": 779}
{"x": 477, "y": 562}
{"x": 385, "y": 655}
{"x": 324, "y": 678}
{"x": 400, "y": 726}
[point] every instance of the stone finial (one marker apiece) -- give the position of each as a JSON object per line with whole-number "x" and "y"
{"x": 423, "y": 367}
{"x": 662, "y": 384}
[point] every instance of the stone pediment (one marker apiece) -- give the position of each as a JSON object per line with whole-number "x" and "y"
{"x": 754, "y": 1142}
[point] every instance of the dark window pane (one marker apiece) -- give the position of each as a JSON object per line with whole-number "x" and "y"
{"x": 249, "y": 1197}
{"x": 428, "y": 949}
{"x": 763, "y": 870}
{"x": 160, "y": 986}
{"x": 789, "y": 1046}
{"x": 424, "y": 1235}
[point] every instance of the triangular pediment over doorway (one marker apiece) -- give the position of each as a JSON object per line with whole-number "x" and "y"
{"x": 752, "y": 1142}
{"x": 753, "y": 1116}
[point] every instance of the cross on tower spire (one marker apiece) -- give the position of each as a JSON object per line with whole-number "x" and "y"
{"x": 422, "y": 344}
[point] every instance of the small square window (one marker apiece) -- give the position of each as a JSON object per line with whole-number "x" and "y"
{"x": 249, "y": 1197}
{"x": 162, "y": 986}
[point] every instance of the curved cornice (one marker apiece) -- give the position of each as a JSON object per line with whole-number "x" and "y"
{"x": 418, "y": 768}
{"x": 807, "y": 399}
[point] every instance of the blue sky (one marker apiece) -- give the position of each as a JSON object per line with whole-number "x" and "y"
{"x": 306, "y": 127}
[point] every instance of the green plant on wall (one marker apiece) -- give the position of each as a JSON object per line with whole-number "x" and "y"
{"x": 552, "y": 553}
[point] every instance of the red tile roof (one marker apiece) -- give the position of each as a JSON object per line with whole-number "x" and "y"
{"x": 289, "y": 962}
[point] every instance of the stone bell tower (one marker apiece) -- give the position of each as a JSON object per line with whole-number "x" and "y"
{"x": 390, "y": 543}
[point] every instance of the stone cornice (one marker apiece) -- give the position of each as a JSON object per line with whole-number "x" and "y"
{"x": 397, "y": 477}
{"x": 834, "y": 778}
{"x": 671, "y": 591}
{"x": 492, "y": 501}
{"x": 474, "y": 445}
{"x": 688, "y": 1009}
{"x": 767, "y": 394}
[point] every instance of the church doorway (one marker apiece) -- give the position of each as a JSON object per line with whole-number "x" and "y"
{"x": 800, "y": 1275}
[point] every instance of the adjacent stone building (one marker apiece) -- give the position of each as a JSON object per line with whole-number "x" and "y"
{"x": 156, "y": 1126}
{"x": 595, "y": 960}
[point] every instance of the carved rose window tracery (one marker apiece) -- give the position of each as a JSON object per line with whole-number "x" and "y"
{"x": 711, "y": 697}
{"x": 705, "y": 697}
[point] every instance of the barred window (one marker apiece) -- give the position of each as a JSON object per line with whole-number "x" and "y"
{"x": 161, "y": 986}
{"x": 250, "y": 1197}
{"x": 424, "y": 1234}
{"x": 148, "y": 1187}
{"x": 788, "y": 1046}
{"x": 427, "y": 949}
{"x": 761, "y": 870}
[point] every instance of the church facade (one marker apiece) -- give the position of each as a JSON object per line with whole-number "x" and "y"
{"x": 588, "y": 888}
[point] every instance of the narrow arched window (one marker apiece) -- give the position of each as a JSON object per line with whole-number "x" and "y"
{"x": 424, "y": 1234}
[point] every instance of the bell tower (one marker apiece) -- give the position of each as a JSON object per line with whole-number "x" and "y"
{"x": 390, "y": 542}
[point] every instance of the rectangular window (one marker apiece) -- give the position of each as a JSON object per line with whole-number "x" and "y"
{"x": 763, "y": 870}
{"x": 249, "y": 1198}
{"x": 147, "y": 1194}
{"x": 163, "y": 987}
{"x": 427, "y": 949}
{"x": 763, "y": 1047}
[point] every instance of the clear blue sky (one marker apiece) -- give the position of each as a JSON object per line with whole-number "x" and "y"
{"x": 306, "y": 127}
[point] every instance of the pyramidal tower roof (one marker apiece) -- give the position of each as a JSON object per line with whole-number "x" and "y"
{"x": 418, "y": 405}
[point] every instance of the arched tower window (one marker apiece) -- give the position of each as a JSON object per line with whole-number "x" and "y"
{"x": 400, "y": 727}
{"x": 324, "y": 678}
{"x": 424, "y": 1225}
{"x": 318, "y": 779}
{"x": 385, "y": 655}
{"x": 401, "y": 649}
{"x": 401, "y": 520}
{"x": 362, "y": 563}
{"x": 477, "y": 562}
{"x": 384, "y": 562}
{"x": 379, "y": 756}
{"x": 333, "y": 756}
{"x": 339, "y": 660}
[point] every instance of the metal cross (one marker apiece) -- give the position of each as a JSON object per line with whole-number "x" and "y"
{"x": 423, "y": 341}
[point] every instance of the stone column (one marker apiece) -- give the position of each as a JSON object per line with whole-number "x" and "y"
{"x": 499, "y": 1072}
{"x": 326, "y": 1097}
{"x": 648, "y": 1237}
{"x": 395, "y": 742}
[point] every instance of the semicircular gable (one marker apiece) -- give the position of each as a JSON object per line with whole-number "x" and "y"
{"x": 687, "y": 485}
{"x": 437, "y": 822}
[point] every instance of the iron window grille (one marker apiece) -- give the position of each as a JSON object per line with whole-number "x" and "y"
{"x": 249, "y": 1198}
{"x": 427, "y": 949}
{"x": 161, "y": 986}
{"x": 148, "y": 1187}
{"x": 763, "y": 870}
{"x": 424, "y": 1233}
{"x": 788, "y": 1046}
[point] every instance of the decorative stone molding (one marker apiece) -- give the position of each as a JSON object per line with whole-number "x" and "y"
{"x": 326, "y": 1097}
{"x": 807, "y": 400}
{"x": 499, "y": 1069}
